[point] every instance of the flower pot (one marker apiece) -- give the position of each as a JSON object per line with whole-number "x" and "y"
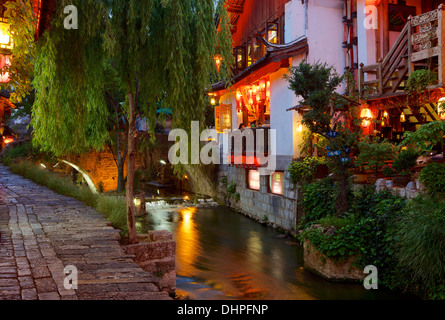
{"x": 402, "y": 180}
{"x": 373, "y": 177}
{"x": 360, "y": 178}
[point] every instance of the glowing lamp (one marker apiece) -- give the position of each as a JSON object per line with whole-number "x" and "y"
{"x": 366, "y": 115}
{"x": 6, "y": 43}
{"x": 8, "y": 141}
{"x": 402, "y": 117}
{"x": 441, "y": 108}
{"x": 262, "y": 85}
{"x": 218, "y": 61}
{"x": 300, "y": 128}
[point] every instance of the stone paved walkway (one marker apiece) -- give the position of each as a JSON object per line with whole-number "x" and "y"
{"x": 42, "y": 232}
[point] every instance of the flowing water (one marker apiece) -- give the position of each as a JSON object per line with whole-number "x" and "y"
{"x": 224, "y": 255}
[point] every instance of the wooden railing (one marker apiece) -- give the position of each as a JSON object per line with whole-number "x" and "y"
{"x": 420, "y": 41}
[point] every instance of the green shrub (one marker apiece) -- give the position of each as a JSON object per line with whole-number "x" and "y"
{"x": 305, "y": 170}
{"x": 405, "y": 160}
{"x": 421, "y": 245}
{"x": 373, "y": 154}
{"x": 433, "y": 176}
{"x": 334, "y": 221}
{"x": 318, "y": 201}
{"x": 23, "y": 151}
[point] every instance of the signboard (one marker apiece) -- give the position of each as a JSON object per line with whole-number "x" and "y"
{"x": 254, "y": 180}
{"x": 277, "y": 183}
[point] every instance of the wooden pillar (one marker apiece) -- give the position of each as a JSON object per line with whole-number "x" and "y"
{"x": 441, "y": 31}
{"x": 385, "y": 27}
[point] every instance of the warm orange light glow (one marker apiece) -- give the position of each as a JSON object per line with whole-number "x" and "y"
{"x": 8, "y": 141}
{"x": 188, "y": 237}
{"x": 218, "y": 61}
{"x": 5, "y": 37}
{"x": 300, "y": 128}
{"x": 402, "y": 117}
{"x": 366, "y": 115}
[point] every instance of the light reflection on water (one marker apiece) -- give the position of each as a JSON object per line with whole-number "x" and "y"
{"x": 224, "y": 255}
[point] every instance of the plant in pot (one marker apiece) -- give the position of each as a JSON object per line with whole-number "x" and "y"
{"x": 404, "y": 162}
{"x": 373, "y": 155}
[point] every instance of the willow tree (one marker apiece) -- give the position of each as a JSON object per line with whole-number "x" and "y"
{"x": 159, "y": 48}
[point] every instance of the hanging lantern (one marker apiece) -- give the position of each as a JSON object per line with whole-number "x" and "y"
{"x": 218, "y": 61}
{"x": 262, "y": 85}
{"x": 402, "y": 117}
{"x": 6, "y": 43}
{"x": 441, "y": 108}
{"x": 366, "y": 115}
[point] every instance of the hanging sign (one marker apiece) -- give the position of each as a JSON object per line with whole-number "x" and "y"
{"x": 347, "y": 150}
{"x": 334, "y": 153}
{"x": 345, "y": 160}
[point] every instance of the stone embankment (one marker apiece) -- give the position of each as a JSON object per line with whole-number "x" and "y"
{"x": 42, "y": 233}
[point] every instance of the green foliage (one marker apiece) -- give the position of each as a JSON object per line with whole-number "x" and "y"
{"x": 329, "y": 112}
{"x": 419, "y": 80}
{"x": 421, "y": 245}
{"x": 304, "y": 170}
{"x": 405, "y": 160}
{"x": 403, "y": 239}
{"x": 373, "y": 154}
{"x": 113, "y": 208}
{"x": 21, "y": 152}
{"x": 430, "y": 133}
{"x": 20, "y": 15}
{"x": 433, "y": 176}
{"x": 333, "y": 221}
{"x": 318, "y": 201}
{"x": 230, "y": 190}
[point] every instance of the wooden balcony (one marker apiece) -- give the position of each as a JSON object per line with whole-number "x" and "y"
{"x": 419, "y": 45}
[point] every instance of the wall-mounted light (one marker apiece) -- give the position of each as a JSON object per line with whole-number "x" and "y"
{"x": 299, "y": 127}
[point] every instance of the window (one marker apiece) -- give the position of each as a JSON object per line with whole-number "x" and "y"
{"x": 223, "y": 117}
{"x": 272, "y": 32}
{"x": 240, "y": 53}
{"x": 253, "y": 180}
{"x": 277, "y": 183}
{"x": 258, "y": 47}
{"x": 249, "y": 52}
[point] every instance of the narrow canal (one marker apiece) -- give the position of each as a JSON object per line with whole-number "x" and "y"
{"x": 224, "y": 255}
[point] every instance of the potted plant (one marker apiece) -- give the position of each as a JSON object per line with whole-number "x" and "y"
{"x": 404, "y": 162}
{"x": 373, "y": 155}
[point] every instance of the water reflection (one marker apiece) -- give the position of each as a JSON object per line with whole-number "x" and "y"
{"x": 224, "y": 255}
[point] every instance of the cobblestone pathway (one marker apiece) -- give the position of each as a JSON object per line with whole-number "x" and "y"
{"x": 42, "y": 232}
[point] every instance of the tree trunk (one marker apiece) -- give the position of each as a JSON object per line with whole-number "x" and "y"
{"x": 131, "y": 165}
{"x": 120, "y": 175}
{"x": 342, "y": 200}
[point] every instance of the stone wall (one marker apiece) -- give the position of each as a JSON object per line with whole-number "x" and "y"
{"x": 156, "y": 254}
{"x": 278, "y": 211}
